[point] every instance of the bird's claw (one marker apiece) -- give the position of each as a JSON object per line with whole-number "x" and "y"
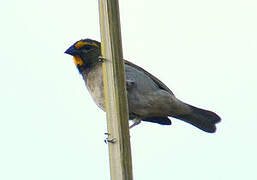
{"x": 136, "y": 121}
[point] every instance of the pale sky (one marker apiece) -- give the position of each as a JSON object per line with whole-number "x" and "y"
{"x": 204, "y": 51}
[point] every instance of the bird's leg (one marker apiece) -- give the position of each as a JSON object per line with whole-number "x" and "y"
{"x": 136, "y": 121}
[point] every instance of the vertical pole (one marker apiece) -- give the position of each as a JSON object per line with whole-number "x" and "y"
{"x": 115, "y": 91}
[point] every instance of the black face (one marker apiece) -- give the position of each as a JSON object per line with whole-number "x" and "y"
{"x": 82, "y": 47}
{"x": 85, "y": 53}
{"x": 87, "y": 47}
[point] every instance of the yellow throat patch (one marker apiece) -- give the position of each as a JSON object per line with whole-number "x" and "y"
{"x": 78, "y": 61}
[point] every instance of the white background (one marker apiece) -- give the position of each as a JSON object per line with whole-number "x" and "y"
{"x": 205, "y": 51}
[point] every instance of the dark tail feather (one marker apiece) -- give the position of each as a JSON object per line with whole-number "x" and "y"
{"x": 203, "y": 119}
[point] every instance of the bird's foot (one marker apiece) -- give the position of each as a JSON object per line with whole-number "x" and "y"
{"x": 136, "y": 121}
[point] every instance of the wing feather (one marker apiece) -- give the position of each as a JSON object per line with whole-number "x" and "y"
{"x": 155, "y": 79}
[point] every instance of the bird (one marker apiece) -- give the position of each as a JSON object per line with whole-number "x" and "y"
{"x": 149, "y": 99}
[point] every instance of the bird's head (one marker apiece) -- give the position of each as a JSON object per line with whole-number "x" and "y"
{"x": 85, "y": 53}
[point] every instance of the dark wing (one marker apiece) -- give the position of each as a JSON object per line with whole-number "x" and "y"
{"x": 156, "y": 80}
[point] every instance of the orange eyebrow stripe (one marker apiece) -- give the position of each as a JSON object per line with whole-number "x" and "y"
{"x": 80, "y": 44}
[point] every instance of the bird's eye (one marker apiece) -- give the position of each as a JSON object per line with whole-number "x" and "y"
{"x": 87, "y": 47}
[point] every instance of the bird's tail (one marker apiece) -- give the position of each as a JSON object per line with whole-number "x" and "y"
{"x": 203, "y": 119}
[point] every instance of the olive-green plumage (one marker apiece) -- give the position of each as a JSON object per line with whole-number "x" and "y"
{"x": 148, "y": 98}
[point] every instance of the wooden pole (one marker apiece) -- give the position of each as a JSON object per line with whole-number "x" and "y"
{"x": 115, "y": 92}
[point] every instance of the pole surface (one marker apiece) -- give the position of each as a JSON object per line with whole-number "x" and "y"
{"x": 115, "y": 91}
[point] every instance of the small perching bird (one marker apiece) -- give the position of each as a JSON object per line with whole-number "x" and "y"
{"x": 148, "y": 98}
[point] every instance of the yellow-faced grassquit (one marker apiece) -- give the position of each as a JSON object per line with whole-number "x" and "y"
{"x": 148, "y": 98}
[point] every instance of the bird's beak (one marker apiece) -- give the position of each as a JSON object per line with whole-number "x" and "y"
{"x": 72, "y": 51}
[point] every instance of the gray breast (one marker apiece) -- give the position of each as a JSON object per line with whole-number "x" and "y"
{"x": 94, "y": 83}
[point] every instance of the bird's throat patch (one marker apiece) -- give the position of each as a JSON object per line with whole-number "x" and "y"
{"x": 78, "y": 61}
